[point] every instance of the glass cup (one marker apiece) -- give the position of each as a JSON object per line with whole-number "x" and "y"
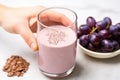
{"x": 56, "y": 36}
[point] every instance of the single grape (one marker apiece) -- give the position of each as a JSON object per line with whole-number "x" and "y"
{"x": 107, "y": 45}
{"x": 116, "y": 45}
{"x": 116, "y": 38}
{"x": 114, "y": 30}
{"x": 91, "y": 22}
{"x": 85, "y": 29}
{"x": 78, "y": 34}
{"x": 95, "y": 39}
{"x": 101, "y": 25}
{"x": 91, "y": 47}
{"x": 84, "y": 40}
{"x": 104, "y": 34}
{"x": 108, "y": 20}
{"x": 118, "y": 26}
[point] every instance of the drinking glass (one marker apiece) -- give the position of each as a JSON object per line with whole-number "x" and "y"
{"x": 56, "y": 37}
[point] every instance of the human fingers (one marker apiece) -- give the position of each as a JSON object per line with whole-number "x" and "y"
{"x": 51, "y": 16}
{"x": 33, "y": 24}
{"x": 28, "y": 36}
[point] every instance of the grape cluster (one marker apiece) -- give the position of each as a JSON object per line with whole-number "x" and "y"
{"x": 100, "y": 36}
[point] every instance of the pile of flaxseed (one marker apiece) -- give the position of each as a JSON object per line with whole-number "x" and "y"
{"x": 15, "y": 66}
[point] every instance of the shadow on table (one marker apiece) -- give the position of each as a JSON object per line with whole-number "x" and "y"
{"x": 76, "y": 72}
{"x": 113, "y": 60}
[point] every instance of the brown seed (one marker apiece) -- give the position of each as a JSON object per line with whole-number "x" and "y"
{"x": 19, "y": 62}
{"x": 10, "y": 74}
{"x": 18, "y": 74}
{"x": 8, "y": 62}
{"x": 5, "y": 67}
{"x": 9, "y": 69}
{"x": 22, "y": 73}
{"x": 14, "y": 67}
{"x": 19, "y": 69}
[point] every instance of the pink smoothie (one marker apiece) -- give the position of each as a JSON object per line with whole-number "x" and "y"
{"x": 57, "y": 49}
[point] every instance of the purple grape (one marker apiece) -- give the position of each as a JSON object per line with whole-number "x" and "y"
{"x": 78, "y": 34}
{"x": 116, "y": 45}
{"x": 99, "y": 36}
{"x": 114, "y": 30}
{"x": 91, "y": 47}
{"x": 84, "y": 40}
{"x": 118, "y": 26}
{"x": 91, "y": 22}
{"x": 104, "y": 34}
{"x": 94, "y": 39}
{"x": 116, "y": 38}
{"x": 107, "y": 45}
{"x": 85, "y": 29}
{"x": 101, "y": 25}
{"x": 108, "y": 20}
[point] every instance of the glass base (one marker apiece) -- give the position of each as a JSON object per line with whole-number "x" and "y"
{"x": 58, "y": 74}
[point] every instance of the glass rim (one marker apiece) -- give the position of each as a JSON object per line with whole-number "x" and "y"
{"x": 56, "y": 8}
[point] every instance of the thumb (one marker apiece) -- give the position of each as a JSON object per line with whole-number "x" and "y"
{"x": 29, "y": 37}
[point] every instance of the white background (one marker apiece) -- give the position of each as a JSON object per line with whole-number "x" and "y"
{"x": 87, "y": 68}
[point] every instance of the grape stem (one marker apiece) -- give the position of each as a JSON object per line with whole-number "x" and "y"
{"x": 93, "y": 30}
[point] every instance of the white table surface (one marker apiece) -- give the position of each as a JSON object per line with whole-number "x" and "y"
{"x": 87, "y": 68}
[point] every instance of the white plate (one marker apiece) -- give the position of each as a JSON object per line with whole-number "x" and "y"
{"x": 98, "y": 54}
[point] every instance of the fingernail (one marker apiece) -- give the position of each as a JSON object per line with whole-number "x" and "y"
{"x": 34, "y": 46}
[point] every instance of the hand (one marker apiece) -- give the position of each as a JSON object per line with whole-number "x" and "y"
{"x": 23, "y": 21}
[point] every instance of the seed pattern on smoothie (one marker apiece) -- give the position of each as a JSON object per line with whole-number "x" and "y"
{"x": 55, "y": 36}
